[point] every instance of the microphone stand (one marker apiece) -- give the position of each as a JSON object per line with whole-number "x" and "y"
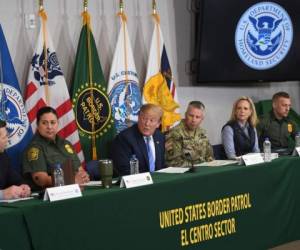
{"x": 190, "y": 159}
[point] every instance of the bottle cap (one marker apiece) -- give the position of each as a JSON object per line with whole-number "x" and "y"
{"x": 57, "y": 165}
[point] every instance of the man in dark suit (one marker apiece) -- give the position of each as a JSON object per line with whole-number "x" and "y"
{"x": 8, "y": 177}
{"x": 144, "y": 140}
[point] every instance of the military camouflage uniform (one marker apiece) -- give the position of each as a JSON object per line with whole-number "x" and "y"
{"x": 183, "y": 142}
{"x": 41, "y": 154}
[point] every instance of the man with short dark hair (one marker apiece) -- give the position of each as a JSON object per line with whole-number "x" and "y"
{"x": 277, "y": 126}
{"x": 11, "y": 186}
{"x": 187, "y": 142}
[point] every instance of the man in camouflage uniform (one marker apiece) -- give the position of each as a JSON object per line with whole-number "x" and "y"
{"x": 187, "y": 143}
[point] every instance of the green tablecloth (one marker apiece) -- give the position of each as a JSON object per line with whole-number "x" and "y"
{"x": 231, "y": 207}
{"x": 13, "y": 232}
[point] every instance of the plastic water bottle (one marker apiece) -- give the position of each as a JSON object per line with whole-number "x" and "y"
{"x": 267, "y": 150}
{"x": 297, "y": 140}
{"x": 134, "y": 165}
{"x": 58, "y": 175}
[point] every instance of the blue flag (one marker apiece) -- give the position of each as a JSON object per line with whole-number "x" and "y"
{"x": 12, "y": 108}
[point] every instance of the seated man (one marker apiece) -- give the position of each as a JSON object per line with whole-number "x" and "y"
{"x": 277, "y": 125}
{"x": 143, "y": 140}
{"x": 187, "y": 143}
{"x": 11, "y": 186}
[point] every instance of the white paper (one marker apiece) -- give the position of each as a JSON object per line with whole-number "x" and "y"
{"x": 96, "y": 183}
{"x": 296, "y": 151}
{"x": 216, "y": 163}
{"x": 253, "y": 158}
{"x": 173, "y": 170}
{"x": 273, "y": 155}
{"x": 19, "y": 199}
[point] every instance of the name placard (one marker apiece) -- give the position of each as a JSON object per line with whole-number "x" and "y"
{"x": 250, "y": 159}
{"x": 62, "y": 192}
{"x": 297, "y": 149}
{"x": 136, "y": 180}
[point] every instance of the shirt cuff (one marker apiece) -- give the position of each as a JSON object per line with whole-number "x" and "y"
{"x": 1, "y": 195}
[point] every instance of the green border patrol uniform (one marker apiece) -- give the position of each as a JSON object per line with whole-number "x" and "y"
{"x": 280, "y": 132}
{"x": 42, "y": 153}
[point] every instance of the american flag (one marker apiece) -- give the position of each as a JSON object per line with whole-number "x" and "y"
{"x": 46, "y": 86}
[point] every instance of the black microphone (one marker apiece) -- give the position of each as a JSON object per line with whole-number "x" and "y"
{"x": 188, "y": 156}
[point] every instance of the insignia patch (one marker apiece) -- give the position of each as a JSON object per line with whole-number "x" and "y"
{"x": 69, "y": 149}
{"x": 290, "y": 128}
{"x": 33, "y": 154}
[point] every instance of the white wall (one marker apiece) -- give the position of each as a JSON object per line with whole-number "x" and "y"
{"x": 64, "y": 23}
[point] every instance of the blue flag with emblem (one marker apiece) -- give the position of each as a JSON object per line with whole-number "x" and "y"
{"x": 123, "y": 85}
{"x": 12, "y": 108}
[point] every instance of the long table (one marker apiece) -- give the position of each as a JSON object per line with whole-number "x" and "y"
{"x": 230, "y": 207}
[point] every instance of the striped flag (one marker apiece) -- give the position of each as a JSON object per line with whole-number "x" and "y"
{"x": 159, "y": 87}
{"x": 46, "y": 86}
{"x": 12, "y": 108}
{"x": 123, "y": 86}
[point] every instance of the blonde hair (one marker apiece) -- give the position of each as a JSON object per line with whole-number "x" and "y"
{"x": 150, "y": 107}
{"x": 253, "y": 120}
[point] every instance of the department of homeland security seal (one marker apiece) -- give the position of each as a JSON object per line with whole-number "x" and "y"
{"x": 264, "y": 35}
{"x": 125, "y": 99}
{"x": 17, "y": 122}
{"x": 92, "y": 107}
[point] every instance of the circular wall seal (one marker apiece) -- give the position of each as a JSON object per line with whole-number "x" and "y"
{"x": 92, "y": 108}
{"x": 17, "y": 122}
{"x": 264, "y": 35}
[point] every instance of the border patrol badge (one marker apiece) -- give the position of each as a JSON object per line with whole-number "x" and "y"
{"x": 33, "y": 154}
{"x": 264, "y": 35}
{"x": 69, "y": 149}
{"x": 290, "y": 127}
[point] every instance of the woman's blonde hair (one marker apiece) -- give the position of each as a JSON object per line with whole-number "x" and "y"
{"x": 253, "y": 120}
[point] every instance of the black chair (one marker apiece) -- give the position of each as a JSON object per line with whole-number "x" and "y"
{"x": 219, "y": 152}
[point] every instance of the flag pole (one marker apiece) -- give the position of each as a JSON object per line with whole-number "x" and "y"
{"x": 154, "y": 7}
{"x": 123, "y": 23}
{"x": 43, "y": 15}
{"x": 85, "y": 4}
{"x": 156, "y": 23}
{"x": 86, "y": 21}
{"x": 41, "y": 4}
{"x": 123, "y": 18}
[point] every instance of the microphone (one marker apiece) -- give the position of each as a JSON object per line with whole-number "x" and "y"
{"x": 188, "y": 156}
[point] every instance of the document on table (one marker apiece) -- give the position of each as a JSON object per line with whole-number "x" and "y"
{"x": 19, "y": 199}
{"x": 96, "y": 183}
{"x": 173, "y": 170}
{"x": 216, "y": 163}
